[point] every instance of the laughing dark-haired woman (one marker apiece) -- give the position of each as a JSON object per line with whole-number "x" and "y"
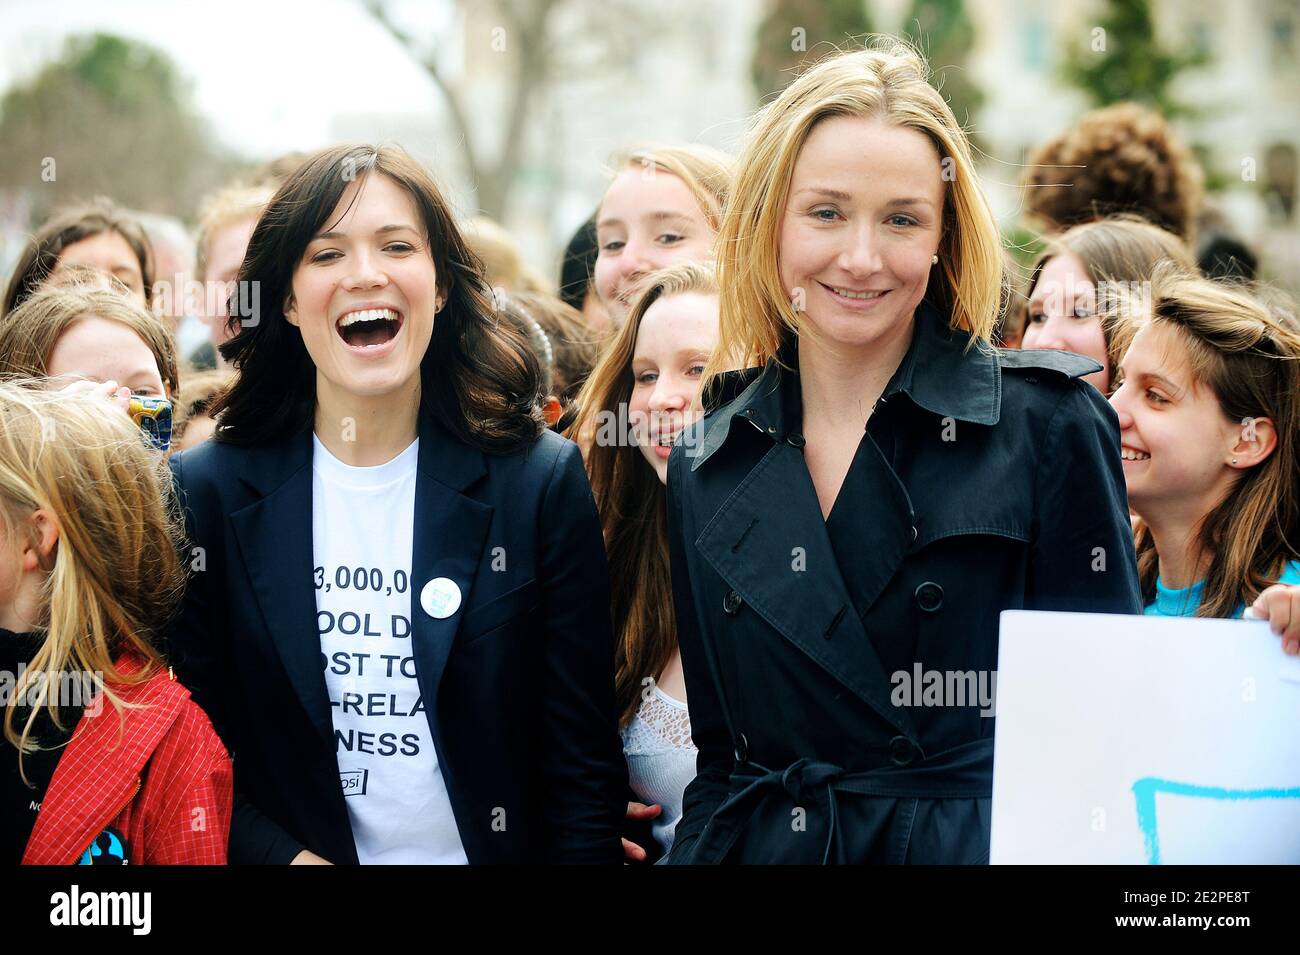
{"x": 398, "y": 617}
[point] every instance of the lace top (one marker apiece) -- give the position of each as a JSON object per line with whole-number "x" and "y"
{"x": 660, "y": 759}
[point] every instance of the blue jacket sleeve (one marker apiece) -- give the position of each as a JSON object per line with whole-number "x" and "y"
{"x": 585, "y": 777}
{"x": 198, "y": 646}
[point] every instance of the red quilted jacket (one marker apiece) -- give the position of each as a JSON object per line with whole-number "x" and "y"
{"x": 153, "y": 791}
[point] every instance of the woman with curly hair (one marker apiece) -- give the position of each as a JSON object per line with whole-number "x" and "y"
{"x": 1123, "y": 158}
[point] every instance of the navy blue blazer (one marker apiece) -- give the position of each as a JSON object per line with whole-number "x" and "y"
{"x": 518, "y": 683}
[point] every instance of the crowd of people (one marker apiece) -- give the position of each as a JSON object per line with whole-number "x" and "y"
{"x": 423, "y": 558}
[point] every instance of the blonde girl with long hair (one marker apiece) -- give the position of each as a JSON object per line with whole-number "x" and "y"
{"x": 663, "y": 205}
{"x": 861, "y": 503}
{"x": 78, "y": 331}
{"x": 1209, "y": 411}
{"x": 86, "y": 337}
{"x": 640, "y": 397}
{"x": 107, "y": 759}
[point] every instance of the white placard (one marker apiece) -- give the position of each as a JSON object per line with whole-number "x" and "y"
{"x": 1128, "y": 739}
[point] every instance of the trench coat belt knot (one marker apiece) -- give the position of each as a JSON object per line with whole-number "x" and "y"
{"x": 963, "y": 772}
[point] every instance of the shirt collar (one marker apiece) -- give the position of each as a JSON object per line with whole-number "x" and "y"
{"x": 1180, "y": 601}
{"x": 946, "y": 373}
{"x": 939, "y": 373}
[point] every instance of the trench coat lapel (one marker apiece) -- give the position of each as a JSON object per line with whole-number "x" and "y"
{"x": 751, "y": 540}
{"x": 771, "y": 546}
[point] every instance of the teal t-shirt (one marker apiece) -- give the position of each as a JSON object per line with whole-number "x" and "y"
{"x": 1184, "y": 601}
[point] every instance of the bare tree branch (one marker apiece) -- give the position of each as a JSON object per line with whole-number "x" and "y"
{"x": 537, "y": 57}
{"x": 531, "y": 73}
{"x": 456, "y": 109}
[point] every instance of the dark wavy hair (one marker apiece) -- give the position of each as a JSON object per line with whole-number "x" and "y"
{"x": 578, "y": 263}
{"x": 479, "y": 376}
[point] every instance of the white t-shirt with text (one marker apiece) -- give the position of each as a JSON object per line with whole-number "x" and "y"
{"x": 362, "y": 525}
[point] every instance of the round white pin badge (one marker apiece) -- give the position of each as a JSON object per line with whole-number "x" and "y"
{"x": 440, "y": 597}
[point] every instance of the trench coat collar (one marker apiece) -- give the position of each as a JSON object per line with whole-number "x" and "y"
{"x": 938, "y": 373}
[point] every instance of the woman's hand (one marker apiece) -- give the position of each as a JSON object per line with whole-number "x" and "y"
{"x": 637, "y": 811}
{"x": 120, "y": 395}
{"x": 1280, "y": 606}
{"x": 309, "y": 858}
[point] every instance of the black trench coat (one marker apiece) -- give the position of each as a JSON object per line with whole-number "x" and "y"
{"x": 987, "y": 480}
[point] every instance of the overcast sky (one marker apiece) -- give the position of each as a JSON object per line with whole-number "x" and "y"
{"x": 270, "y": 75}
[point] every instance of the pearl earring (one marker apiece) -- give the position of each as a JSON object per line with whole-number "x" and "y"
{"x": 934, "y": 260}
{"x": 1234, "y": 460}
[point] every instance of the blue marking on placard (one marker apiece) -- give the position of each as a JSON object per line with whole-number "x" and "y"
{"x": 1146, "y": 789}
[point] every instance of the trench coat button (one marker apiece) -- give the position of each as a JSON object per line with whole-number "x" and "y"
{"x": 742, "y": 748}
{"x": 929, "y": 596}
{"x": 795, "y": 438}
{"x": 731, "y": 603}
{"x": 902, "y": 752}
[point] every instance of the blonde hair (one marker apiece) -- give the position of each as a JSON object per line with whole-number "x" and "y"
{"x": 1246, "y": 351}
{"x": 226, "y": 207}
{"x": 29, "y": 333}
{"x": 503, "y": 263}
{"x": 114, "y": 577}
{"x": 630, "y": 499}
{"x": 706, "y": 172}
{"x": 889, "y": 81}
